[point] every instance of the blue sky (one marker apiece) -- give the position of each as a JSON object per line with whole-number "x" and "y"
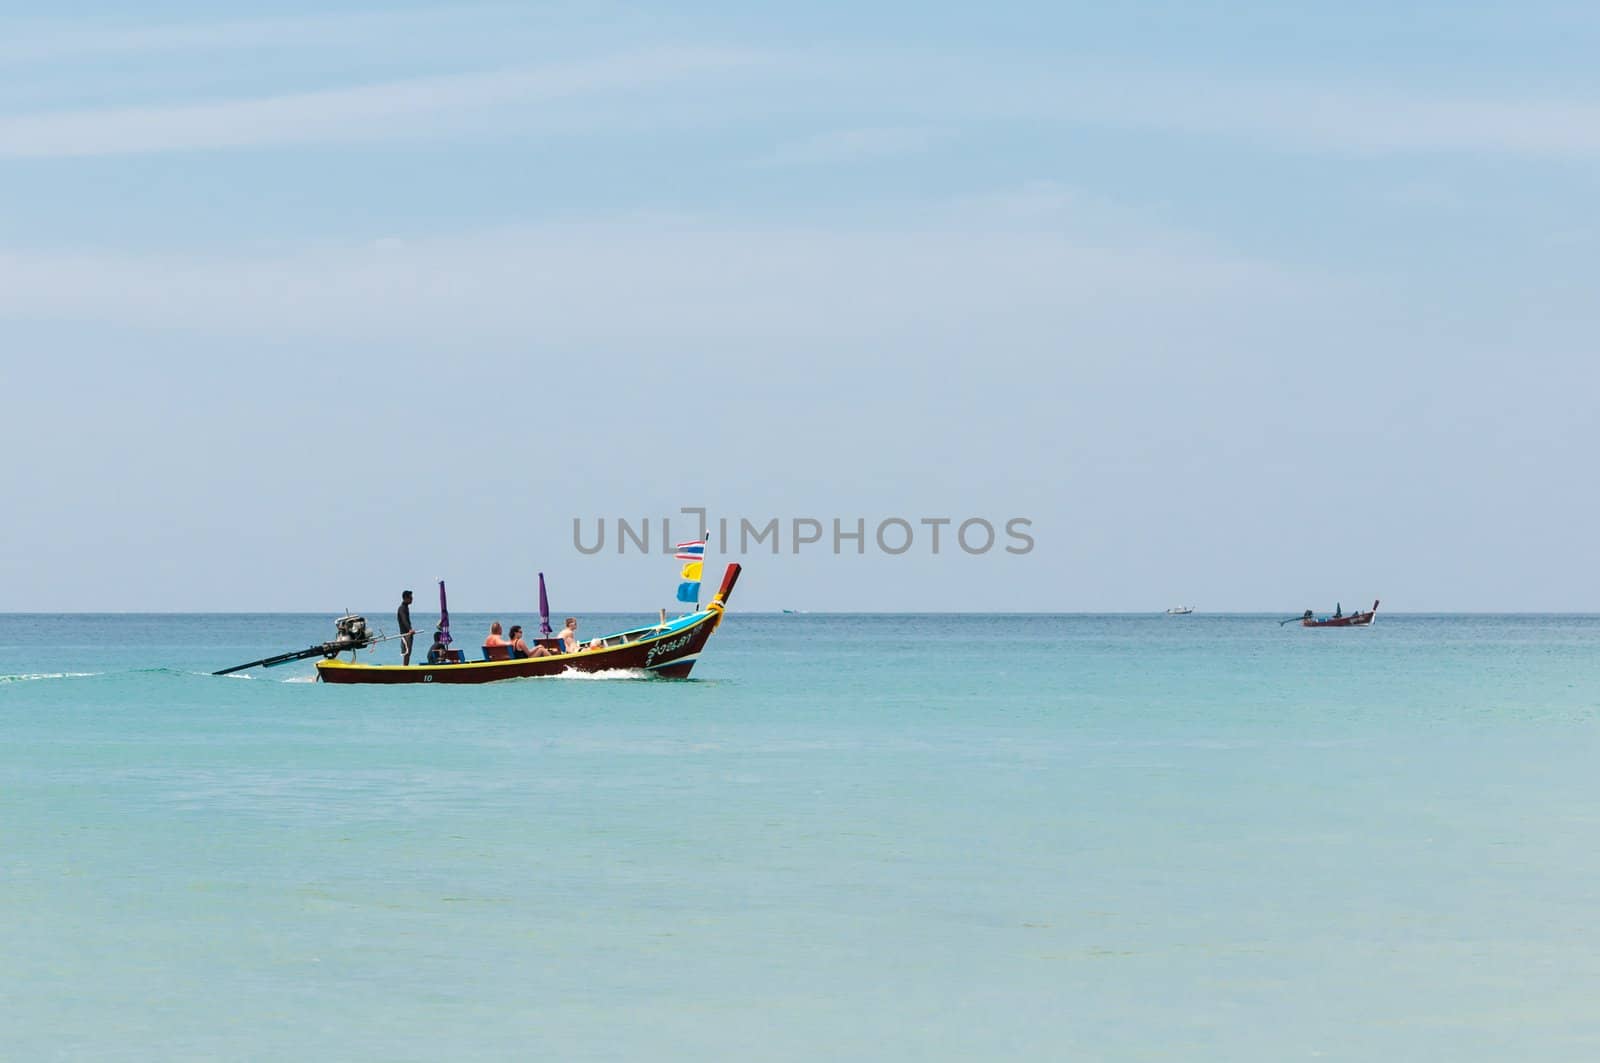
{"x": 1255, "y": 306}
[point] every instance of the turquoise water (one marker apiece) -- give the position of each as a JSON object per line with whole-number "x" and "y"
{"x": 853, "y": 837}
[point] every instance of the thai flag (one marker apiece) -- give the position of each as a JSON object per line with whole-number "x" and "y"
{"x": 693, "y": 550}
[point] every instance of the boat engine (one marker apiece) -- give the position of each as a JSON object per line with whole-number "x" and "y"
{"x": 352, "y": 635}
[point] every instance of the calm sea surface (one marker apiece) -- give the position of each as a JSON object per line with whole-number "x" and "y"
{"x": 858, "y": 837}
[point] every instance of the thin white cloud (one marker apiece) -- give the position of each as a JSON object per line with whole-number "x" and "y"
{"x": 1361, "y": 121}
{"x": 854, "y": 145}
{"x": 1309, "y": 114}
{"x": 649, "y": 283}
{"x": 948, "y": 97}
{"x": 55, "y": 40}
{"x": 371, "y": 112}
{"x": 1300, "y": 115}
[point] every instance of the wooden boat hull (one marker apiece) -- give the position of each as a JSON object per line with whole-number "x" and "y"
{"x": 1353, "y": 620}
{"x": 671, "y": 654}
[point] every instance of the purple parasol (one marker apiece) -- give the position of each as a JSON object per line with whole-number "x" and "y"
{"x": 444, "y": 617}
{"x": 544, "y": 609}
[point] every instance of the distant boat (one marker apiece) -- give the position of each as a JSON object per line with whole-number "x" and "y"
{"x": 793, "y": 612}
{"x": 1351, "y": 620}
{"x": 1180, "y": 610}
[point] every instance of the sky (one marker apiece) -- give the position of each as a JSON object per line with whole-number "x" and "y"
{"x": 1249, "y": 306}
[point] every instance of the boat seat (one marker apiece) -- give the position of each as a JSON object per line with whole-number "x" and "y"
{"x": 497, "y": 653}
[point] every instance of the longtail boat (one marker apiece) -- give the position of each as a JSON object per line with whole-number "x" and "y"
{"x": 1350, "y": 620}
{"x": 669, "y": 648}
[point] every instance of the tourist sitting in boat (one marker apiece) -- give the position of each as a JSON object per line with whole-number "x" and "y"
{"x": 496, "y": 647}
{"x": 569, "y": 635}
{"x": 520, "y": 647}
{"x": 438, "y": 653}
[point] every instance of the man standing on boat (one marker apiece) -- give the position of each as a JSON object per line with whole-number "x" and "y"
{"x": 403, "y": 618}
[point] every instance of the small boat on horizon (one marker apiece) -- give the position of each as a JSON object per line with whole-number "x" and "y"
{"x": 1339, "y": 618}
{"x": 1180, "y": 610}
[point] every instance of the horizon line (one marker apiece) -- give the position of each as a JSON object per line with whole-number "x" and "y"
{"x": 813, "y": 612}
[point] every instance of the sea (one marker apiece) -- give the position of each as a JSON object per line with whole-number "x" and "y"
{"x": 847, "y": 837}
